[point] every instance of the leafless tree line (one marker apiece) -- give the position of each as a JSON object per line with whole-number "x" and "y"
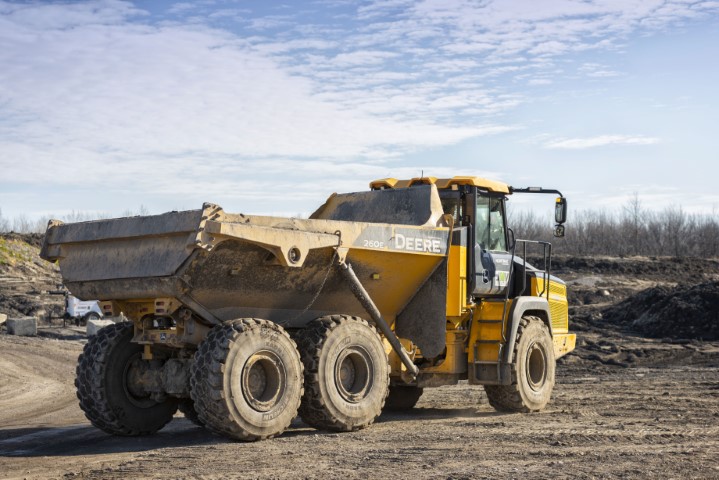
{"x": 632, "y": 230}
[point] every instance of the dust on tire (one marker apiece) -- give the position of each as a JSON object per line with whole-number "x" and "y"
{"x": 533, "y": 370}
{"x": 101, "y": 386}
{"x": 227, "y": 378}
{"x": 346, "y": 373}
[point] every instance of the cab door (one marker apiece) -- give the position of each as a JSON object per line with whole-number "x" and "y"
{"x": 491, "y": 256}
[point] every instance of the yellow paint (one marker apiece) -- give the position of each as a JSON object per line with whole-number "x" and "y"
{"x": 402, "y": 276}
{"x": 456, "y": 281}
{"x": 456, "y": 359}
{"x": 487, "y": 310}
{"x": 138, "y": 308}
{"x": 564, "y": 343}
{"x": 396, "y": 367}
{"x": 558, "y": 304}
{"x": 442, "y": 183}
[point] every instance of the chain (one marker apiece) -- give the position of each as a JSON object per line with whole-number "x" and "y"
{"x": 322, "y": 285}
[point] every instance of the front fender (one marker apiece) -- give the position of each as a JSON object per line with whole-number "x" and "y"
{"x": 522, "y": 306}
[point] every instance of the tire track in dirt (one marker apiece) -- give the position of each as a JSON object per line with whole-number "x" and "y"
{"x": 36, "y": 382}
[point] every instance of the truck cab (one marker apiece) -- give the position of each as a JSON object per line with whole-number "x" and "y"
{"x": 494, "y": 296}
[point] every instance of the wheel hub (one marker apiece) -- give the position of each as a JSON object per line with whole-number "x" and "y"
{"x": 353, "y": 374}
{"x": 536, "y": 366}
{"x": 135, "y": 382}
{"x": 263, "y": 380}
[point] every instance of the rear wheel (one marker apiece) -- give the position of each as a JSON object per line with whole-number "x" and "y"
{"x": 346, "y": 373}
{"x": 246, "y": 380}
{"x": 108, "y": 396}
{"x": 532, "y": 371}
{"x": 402, "y": 397}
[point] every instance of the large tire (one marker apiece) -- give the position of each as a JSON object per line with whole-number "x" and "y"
{"x": 346, "y": 373}
{"x": 246, "y": 380}
{"x": 402, "y": 397}
{"x": 107, "y": 399}
{"x": 532, "y": 371}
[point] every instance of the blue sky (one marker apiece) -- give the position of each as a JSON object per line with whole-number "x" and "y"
{"x": 269, "y": 107}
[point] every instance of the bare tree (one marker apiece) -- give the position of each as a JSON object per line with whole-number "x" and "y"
{"x": 4, "y": 223}
{"x": 630, "y": 231}
{"x": 634, "y": 216}
{"x": 21, "y": 224}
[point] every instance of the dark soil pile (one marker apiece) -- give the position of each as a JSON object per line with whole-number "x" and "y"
{"x": 688, "y": 312}
{"x": 34, "y": 239}
{"x": 669, "y": 269}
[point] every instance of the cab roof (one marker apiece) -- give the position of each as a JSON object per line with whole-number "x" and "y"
{"x": 441, "y": 183}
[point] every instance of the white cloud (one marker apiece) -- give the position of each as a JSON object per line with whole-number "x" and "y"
{"x": 360, "y": 58}
{"x": 539, "y": 81}
{"x": 434, "y": 40}
{"x": 599, "y": 141}
{"x": 112, "y": 99}
{"x": 205, "y": 97}
{"x": 597, "y": 70}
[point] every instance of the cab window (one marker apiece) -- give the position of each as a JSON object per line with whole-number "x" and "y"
{"x": 453, "y": 205}
{"x": 490, "y": 233}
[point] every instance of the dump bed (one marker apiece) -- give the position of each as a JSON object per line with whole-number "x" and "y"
{"x": 224, "y": 266}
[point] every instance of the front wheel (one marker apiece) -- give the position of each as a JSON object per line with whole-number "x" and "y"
{"x": 346, "y": 373}
{"x": 532, "y": 371}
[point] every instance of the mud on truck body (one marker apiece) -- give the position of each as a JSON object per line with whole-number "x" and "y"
{"x": 243, "y": 322}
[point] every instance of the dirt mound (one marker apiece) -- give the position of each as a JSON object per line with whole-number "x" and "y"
{"x": 26, "y": 279}
{"x": 685, "y": 312}
{"x": 33, "y": 239}
{"x": 670, "y": 269}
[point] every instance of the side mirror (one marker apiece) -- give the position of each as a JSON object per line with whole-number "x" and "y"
{"x": 559, "y": 231}
{"x": 560, "y": 210}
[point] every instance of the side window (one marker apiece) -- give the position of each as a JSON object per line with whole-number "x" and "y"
{"x": 490, "y": 224}
{"x": 452, "y": 205}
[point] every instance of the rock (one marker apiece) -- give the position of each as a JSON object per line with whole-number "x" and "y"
{"x": 25, "y": 327}
{"x": 3, "y": 317}
{"x": 94, "y": 325}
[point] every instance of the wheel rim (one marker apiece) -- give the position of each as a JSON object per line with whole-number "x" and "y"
{"x": 263, "y": 380}
{"x": 353, "y": 374}
{"x": 536, "y": 366}
{"x": 132, "y": 382}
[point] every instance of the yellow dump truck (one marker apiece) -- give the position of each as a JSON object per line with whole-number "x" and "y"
{"x": 243, "y": 322}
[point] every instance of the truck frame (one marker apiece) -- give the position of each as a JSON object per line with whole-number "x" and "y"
{"x": 243, "y": 322}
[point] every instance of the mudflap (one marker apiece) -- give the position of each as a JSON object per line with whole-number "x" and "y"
{"x": 424, "y": 320}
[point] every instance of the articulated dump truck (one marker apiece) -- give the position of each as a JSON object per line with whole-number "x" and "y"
{"x": 243, "y": 322}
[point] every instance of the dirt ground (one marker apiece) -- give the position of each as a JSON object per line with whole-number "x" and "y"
{"x": 625, "y": 406}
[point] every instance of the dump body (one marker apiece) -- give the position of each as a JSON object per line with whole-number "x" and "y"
{"x": 225, "y": 266}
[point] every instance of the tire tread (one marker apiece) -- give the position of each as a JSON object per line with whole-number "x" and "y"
{"x": 207, "y": 373}
{"x": 310, "y": 341}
